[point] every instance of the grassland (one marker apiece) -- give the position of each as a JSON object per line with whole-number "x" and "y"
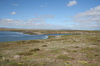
{"x": 82, "y": 49}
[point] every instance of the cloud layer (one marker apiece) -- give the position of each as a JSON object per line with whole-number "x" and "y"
{"x": 92, "y": 15}
{"x": 31, "y": 23}
{"x": 34, "y": 23}
{"x": 89, "y": 19}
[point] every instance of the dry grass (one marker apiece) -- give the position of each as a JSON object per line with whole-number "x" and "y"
{"x": 68, "y": 50}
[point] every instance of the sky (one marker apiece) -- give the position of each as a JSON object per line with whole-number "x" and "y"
{"x": 50, "y": 14}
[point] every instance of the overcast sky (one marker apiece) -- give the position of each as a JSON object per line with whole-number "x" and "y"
{"x": 50, "y": 14}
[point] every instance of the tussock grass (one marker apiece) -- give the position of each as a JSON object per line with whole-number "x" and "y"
{"x": 64, "y": 57}
{"x": 81, "y": 49}
{"x": 35, "y": 49}
{"x": 25, "y": 53}
{"x": 44, "y": 45}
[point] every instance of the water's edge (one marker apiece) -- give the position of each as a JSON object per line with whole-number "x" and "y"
{"x": 26, "y": 36}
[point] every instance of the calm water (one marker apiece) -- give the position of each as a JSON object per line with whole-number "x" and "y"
{"x": 16, "y": 36}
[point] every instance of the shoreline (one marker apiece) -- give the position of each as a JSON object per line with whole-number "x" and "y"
{"x": 72, "y": 50}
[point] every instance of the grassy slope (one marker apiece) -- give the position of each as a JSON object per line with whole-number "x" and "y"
{"x": 72, "y": 50}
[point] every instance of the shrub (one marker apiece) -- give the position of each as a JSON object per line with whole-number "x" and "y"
{"x": 25, "y": 53}
{"x": 64, "y": 57}
{"x": 36, "y": 49}
{"x": 44, "y": 45}
{"x": 1, "y": 56}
